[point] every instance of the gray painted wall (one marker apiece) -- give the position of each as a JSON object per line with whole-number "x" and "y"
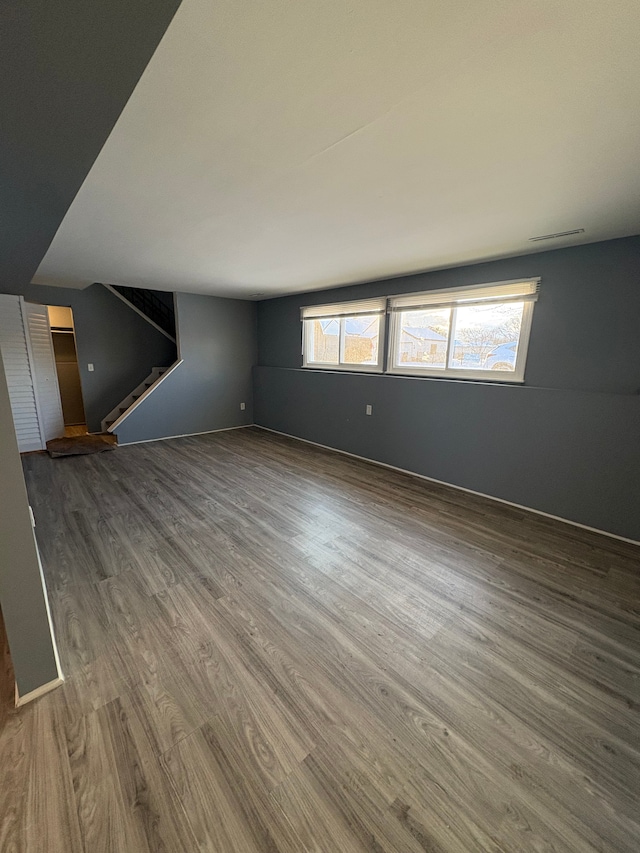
{"x": 122, "y": 346}
{"x": 22, "y": 595}
{"x": 218, "y": 346}
{"x": 566, "y": 443}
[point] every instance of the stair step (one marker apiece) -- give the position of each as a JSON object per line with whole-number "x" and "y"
{"x": 153, "y": 378}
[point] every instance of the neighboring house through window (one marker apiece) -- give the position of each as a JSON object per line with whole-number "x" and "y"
{"x": 464, "y": 333}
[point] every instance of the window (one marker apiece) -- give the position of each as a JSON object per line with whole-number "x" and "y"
{"x": 477, "y": 332}
{"x": 345, "y": 336}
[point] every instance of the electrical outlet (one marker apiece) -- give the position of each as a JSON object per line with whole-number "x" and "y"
{"x": 368, "y": 410}
{"x": 242, "y": 407}
{"x": 90, "y": 368}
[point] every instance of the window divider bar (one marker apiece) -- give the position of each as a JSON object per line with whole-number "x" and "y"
{"x": 450, "y": 337}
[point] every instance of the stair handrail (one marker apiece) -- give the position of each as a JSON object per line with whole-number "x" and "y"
{"x": 138, "y": 310}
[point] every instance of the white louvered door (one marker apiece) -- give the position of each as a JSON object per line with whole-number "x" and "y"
{"x": 43, "y": 370}
{"x": 17, "y": 366}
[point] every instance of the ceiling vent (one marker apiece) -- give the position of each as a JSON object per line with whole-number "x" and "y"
{"x": 555, "y": 236}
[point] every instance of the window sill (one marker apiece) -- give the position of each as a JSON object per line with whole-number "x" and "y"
{"x": 339, "y": 368}
{"x": 397, "y": 374}
{"x": 488, "y": 377}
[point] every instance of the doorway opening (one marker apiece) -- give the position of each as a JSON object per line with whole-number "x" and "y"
{"x": 67, "y": 369}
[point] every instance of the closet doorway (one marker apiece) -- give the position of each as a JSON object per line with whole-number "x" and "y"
{"x": 66, "y": 357}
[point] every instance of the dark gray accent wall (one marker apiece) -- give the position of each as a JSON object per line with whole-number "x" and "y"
{"x": 122, "y": 346}
{"x": 22, "y": 595}
{"x": 573, "y": 454}
{"x": 67, "y": 69}
{"x": 217, "y": 340}
{"x": 566, "y": 443}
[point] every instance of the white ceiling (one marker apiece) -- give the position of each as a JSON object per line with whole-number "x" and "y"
{"x": 288, "y": 145}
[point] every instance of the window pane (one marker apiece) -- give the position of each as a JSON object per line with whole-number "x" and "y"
{"x": 361, "y": 335}
{"x": 485, "y": 337}
{"x": 325, "y": 338}
{"x": 422, "y": 339}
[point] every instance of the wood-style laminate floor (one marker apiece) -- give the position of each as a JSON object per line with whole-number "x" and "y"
{"x": 272, "y": 647}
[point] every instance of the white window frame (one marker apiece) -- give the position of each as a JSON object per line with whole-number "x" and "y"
{"x": 461, "y": 296}
{"x": 341, "y": 312}
{"x": 517, "y": 290}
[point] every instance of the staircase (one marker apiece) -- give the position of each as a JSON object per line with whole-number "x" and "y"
{"x": 117, "y": 415}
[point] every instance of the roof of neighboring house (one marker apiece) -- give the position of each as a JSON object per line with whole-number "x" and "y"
{"x": 364, "y": 328}
{"x": 367, "y": 328}
{"x": 425, "y": 334}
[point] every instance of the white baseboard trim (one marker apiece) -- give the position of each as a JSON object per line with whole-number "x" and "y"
{"x": 454, "y": 486}
{"x": 183, "y": 435}
{"x": 44, "y": 688}
{"x": 38, "y": 692}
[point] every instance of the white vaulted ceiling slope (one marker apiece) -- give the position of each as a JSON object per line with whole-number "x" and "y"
{"x": 287, "y": 145}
